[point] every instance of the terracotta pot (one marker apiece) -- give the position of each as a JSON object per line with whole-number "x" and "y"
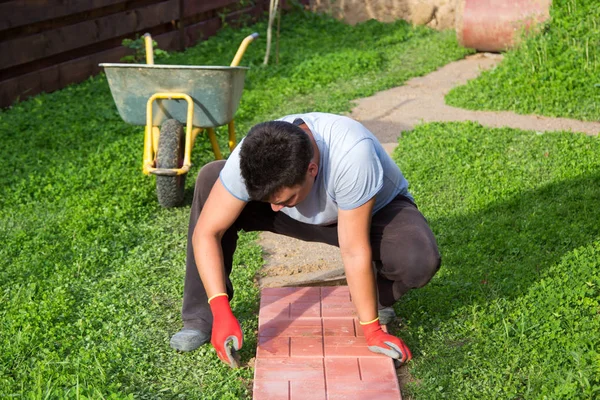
{"x": 496, "y": 25}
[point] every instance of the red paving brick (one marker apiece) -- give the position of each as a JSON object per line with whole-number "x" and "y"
{"x": 310, "y": 346}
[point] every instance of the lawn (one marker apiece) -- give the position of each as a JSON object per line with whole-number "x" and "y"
{"x": 555, "y": 73}
{"x": 91, "y": 268}
{"x": 91, "y": 271}
{"x": 514, "y": 311}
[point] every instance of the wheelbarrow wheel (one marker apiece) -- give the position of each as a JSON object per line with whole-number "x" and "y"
{"x": 171, "y": 146}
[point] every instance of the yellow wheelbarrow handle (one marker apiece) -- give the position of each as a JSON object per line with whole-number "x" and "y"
{"x": 149, "y": 49}
{"x": 236, "y": 61}
{"x": 242, "y": 49}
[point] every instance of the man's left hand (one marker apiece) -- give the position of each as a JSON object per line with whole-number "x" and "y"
{"x": 384, "y": 343}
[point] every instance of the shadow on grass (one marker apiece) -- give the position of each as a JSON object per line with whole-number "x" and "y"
{"x": 505, "y": 248}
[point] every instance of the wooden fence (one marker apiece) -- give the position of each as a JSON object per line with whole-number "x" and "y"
{"x": 48, "y": 44}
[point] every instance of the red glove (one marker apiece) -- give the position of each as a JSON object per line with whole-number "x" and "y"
{"x": 384, "y": 343}
{"x": 227, "y": 337}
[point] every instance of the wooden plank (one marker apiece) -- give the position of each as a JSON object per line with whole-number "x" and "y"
{"x": 207, "y": 28}
{"x": 254, "y": 13}
{"x": 9, "y": 92}
{"x": 57, "y": 76}
{"x": 50, "y": 79}
{"x": 193, "y": 7}
{"x": 168, "y": 41}
{"x": 69, "y": 70}
{"x": 30, "y": 48}
{"x": 202, "y": 30}
{"x": 17, "y": 13}
{"x": 74, "y": 71}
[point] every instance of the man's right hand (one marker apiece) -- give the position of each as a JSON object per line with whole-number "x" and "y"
{"x": 227, "y": 337}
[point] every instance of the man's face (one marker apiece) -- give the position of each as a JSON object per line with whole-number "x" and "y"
{"x": 292, "y": 196}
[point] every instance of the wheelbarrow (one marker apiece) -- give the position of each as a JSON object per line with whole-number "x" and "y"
{"x": 164, "y": 98}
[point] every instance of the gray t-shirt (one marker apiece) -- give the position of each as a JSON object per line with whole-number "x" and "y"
{"x": 353, "y": 168}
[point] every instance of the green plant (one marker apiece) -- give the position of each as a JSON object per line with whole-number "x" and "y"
{"x": 139, "y": 50}
{"x": 553, "y": 73}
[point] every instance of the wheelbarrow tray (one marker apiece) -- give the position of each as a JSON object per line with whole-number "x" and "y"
{"x": 216, "y": 92}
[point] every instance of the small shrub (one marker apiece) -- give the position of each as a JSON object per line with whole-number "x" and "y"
{"x": 139, "y": 50}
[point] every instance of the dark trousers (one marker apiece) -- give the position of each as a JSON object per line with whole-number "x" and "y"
{"x": 404, "y": 248}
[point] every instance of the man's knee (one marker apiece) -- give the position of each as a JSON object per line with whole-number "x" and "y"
{"x": 210, "y": 172}
{"x": 206, "y": 179}
{"x": 421, "y": 273}
{"x": 413, "y": 268}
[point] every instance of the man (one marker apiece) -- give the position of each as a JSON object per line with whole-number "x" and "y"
{"x": 315, "y": 177}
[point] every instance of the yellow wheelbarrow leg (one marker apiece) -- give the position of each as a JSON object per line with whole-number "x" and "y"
{"x": 213, "y": 141}
{"x": 148, "y": 150}
{"x": 195, "y": 133}
{"x": 155, "y": 135}
{"x": 231, "y": 127}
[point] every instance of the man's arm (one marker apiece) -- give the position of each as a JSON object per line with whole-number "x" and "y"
{"x": 218, "y": 214}
{"x": 354, "y": 228}
{"x": 355, "y": 245}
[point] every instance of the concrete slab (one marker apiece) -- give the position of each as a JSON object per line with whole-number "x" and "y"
{"x": 315, "y": 356}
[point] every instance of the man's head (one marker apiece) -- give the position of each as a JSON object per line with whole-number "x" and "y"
{"x": 276, "y": 163}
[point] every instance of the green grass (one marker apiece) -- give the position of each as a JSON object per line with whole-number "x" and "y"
{"x": 555, "y": 73}
{"x": 514, "y": 311}
{"x": 91, "y": 268}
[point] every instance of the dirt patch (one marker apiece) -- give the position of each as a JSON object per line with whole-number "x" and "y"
{"x": 437, "y": 14}
{"x": 292, "y": 262}
{"x": 404, "y": 378}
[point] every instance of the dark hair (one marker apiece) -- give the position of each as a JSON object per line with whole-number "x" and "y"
{"x": 274, "y": 155}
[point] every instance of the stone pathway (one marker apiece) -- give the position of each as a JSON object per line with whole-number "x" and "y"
{"x": 387, "y": 114}
{"x": 310, "y": 346}
{"x": 421, "y": 99}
